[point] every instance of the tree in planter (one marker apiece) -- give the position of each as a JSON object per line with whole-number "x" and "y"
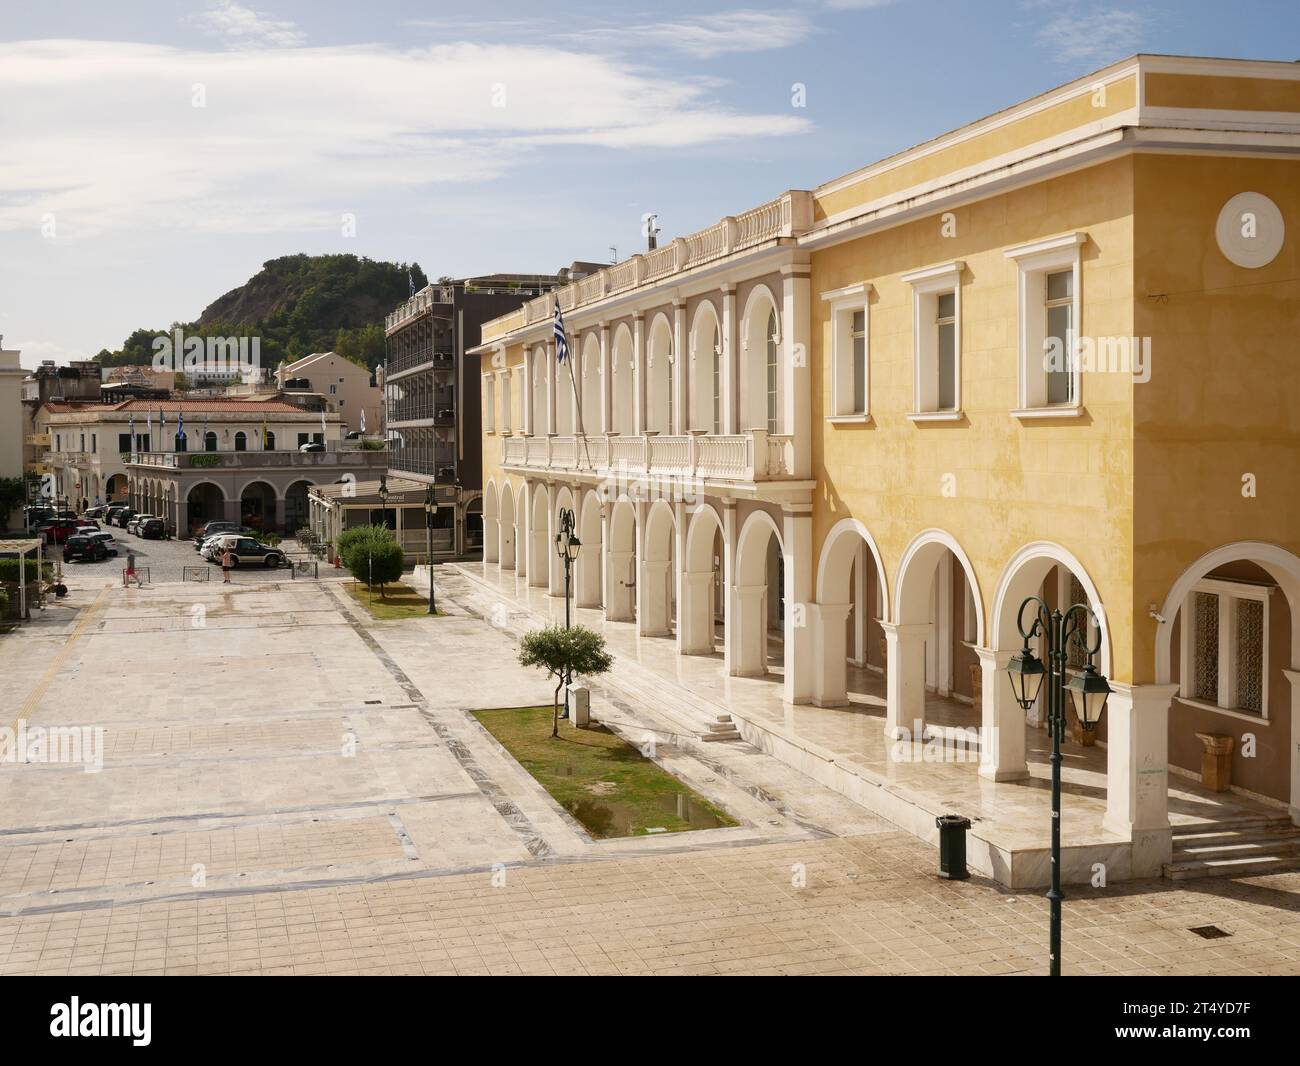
{"x": 562, "y": 653}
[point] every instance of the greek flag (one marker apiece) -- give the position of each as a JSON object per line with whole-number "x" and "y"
{"x": 180, "y": 425}
{"x": 561, "y": 342}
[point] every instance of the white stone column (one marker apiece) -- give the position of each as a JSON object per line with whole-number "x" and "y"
{"x": 652, "y": 599}
{"x": 554, "y": 566}
{"x": 695, "y": 614}
{"x": 830, "y": 671}
{"x": 796, "y": 347}
{"x": 680, "y": 518}
{"x": 681, "y": 378}
{"x": 748, "y": 621}
{"x": 799, "y": 659}
{"x": 606, "y": 382}
{"x": 526, "y": 400}
{"x": 730, "y": 414}
{"x": 638, "y": 375}
{"x": 1137, "y": 772}
{"x": 1002, "y": 720}
{"x": 491, "y": 544}
{"x": 730, "y": 529}
{"x": 642, "y": 509}
{"x": 905, "y": 679}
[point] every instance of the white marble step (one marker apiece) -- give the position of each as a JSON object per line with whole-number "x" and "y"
{"x": 1246, "y": 848}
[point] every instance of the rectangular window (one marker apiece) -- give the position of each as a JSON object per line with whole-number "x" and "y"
{"x": 936, "y": 341}
{"x": 124, "y": 443}
{"x": 303, "y": 438}
{"x": 1059, "y": 343}
{"x": 945, "y": 369}
{"x": 489, "y": 403}
{"x": 850, "y": 352}
{"x": 1225, "y": 646}
{"x": 1049, "y": 320}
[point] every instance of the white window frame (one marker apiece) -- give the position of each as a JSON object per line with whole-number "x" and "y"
{"x": 505, "y": 401}
{"x": 927, "y": 286}
{"x": 490, "y": 403}
{"x": 844, "y": 304}
{"x": 1227, "y": 591}
{"x": 1034, "y": 261}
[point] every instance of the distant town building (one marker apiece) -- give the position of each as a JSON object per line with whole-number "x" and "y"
{"x": 347, "y": 387}
{"x": 12, "y": 428}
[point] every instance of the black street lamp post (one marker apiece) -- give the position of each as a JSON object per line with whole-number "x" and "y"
{"x": 430, "y": 512}
{"x": 1088, "y": 692}
{"x": 383, "y": 519}
{"x": 567, "y": 546}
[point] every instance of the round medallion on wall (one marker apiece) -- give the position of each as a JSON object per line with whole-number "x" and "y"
{"x": 1250, "y": 230}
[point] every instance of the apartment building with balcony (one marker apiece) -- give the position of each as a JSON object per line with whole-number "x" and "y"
{"x": 820, "y": 452}
{"x": 431, "y": 390}
{"x": 345, "y": 386}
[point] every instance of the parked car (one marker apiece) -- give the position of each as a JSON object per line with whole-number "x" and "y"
{"x": 111, "y": 513}
{"x": 311, "y": 446}
{"x": 83, "y": 525}
{"x": 244, "y": 550}
{"x": 231, "y": 530}
{"x": 105, "y": 538}
{"x": 123, "y": 516}
{"x": 150, "y": 528}
{"x": 86, "y": 549}
{"x": 133, "y": 526}
{"x": 57, "y": 530}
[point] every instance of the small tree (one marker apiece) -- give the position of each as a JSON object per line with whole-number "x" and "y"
{"x": 563, "y": 652}
{"x": 375, "y": 561}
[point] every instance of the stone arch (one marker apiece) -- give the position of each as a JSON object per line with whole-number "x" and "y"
{"x": 620, "y": 562}
{"x": 623, "y": 384}
{"x": 760, "y": 405}
{"x": 589, "y": 592}
{"x": 506, "y": 526}
{"x": 702, "y": 585}
{"x": 590, "y": 385}
{"x": 705, "y": 368}
{"x": 851, "y": 580}
{"x": 257, "y": 504}
{"x": 539, "y": 512}
{"x": 659, "y": 375}
{"x": 205, "y": 502}
{"x": 758, "y": 592}
{"x": 657, "y": 602}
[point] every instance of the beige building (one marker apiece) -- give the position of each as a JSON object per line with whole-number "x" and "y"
{"x": 347, "y": 387}
{"x": 11, "y": 414}
{"x": 820, "y": 453}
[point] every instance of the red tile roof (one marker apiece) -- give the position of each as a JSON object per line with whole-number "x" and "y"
{"x": 226, "y": 407}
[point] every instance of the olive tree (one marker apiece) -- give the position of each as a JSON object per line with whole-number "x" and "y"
{"x": 562, "y": 653}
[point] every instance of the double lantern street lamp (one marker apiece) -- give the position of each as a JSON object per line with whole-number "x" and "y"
{"x": 567, "y": 546}
{"x": 382, "y": 493}
{"x": 1088, "y": 693}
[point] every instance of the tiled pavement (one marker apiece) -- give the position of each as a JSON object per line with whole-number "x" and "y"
{"x": 288, "y": 787}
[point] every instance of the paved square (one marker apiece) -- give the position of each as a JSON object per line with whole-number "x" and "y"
{"x": 291, "y": 787}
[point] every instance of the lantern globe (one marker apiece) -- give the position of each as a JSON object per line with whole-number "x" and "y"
{"x": 1089, "y": 692}
{"x": 1027, "y": 674}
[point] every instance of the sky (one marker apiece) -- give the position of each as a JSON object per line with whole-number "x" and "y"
{"x": 154, "y": 154}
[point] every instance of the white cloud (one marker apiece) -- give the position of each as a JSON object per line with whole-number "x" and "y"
{"x": 856, "y": 5}
{"x": 239, "y": 25}
{"x": 1093, "y": 37}
{"x": 706, "y": 36}
{"x": 290, "y": 139}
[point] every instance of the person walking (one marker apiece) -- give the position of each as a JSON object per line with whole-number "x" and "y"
{"x": 131, "y": 574}
{"x": 227, "y": 561}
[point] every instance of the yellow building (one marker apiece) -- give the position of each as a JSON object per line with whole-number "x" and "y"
{"x": 834, "y": 442}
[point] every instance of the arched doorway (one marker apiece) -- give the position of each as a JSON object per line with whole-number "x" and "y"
{"x": 473, "y": 527}
{"x": 622, "y": 364}
{"x": 591, "y": 413}
{"x": 538, "y": 533}
{"x": 759, "y": 611}
{"x": 506, "y": 537}
{"x": 704, "y": 567}
{"x": 706, "y": 370}
{"x": 205, "y": 503}
{"x": 659, "y": 376}
{"x": 620, "y": 563}
{"x": 851, "y": 606}
{"x": 116, "y": 489}
{"x": 657, "y": 610}
{"x": 938, "y": 622}
{"x": 257, "y": 505}
{"x": 588, "y": 592}
{"x": 295, "y": 506}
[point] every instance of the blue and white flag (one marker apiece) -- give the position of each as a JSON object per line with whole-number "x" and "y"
{"x": 180, "y": 424}
{"x": 561, "y": 341}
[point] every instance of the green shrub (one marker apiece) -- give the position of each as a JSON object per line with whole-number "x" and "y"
{"x": 351, "y": 539}
{"x": 9, "y": 571}
{"x": 375, "y": 561}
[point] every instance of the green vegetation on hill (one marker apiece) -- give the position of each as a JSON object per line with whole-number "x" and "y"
{"x": 297, "y": 304}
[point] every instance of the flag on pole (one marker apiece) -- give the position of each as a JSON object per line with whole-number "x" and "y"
{"x": 180, "y": 425}
{"x": 263, "y": 432}
{"x": 130, "y": 428}
{"x": 148, "y": 428}
{"x": 410, "y": 281}
{"x": 323, "y": 430}
{"x": 561, "y": 341}
{"x": 363, "y": 420}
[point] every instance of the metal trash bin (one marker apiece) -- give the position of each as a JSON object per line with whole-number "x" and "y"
{"x": 952, "y": 846}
